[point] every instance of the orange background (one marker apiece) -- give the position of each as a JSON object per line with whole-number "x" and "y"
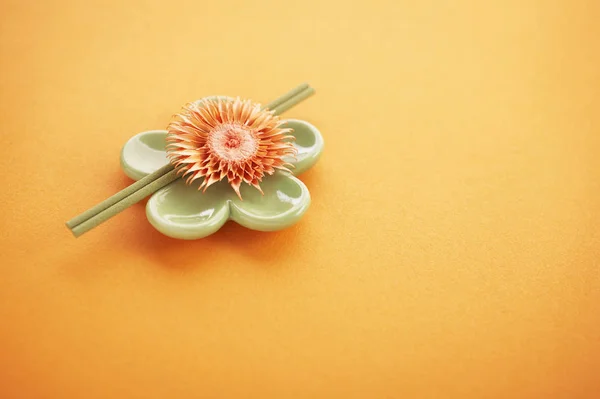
{"x": 451, "y": 251}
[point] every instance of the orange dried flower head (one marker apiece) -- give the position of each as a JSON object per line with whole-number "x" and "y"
{"x": 216, "y": 139}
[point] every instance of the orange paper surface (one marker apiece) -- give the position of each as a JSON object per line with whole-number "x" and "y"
{"x": 452, "y": 249}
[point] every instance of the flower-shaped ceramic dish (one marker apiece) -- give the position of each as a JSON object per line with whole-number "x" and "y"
{"x": 182, "y": 211}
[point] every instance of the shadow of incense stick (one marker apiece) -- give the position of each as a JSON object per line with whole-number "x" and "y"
{"x": 153, "y": 182}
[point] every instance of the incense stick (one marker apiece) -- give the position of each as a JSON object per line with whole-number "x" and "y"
{"x": 287, "y": 96}
{"x": 125, "y": 203}
{"x": 303, "y": 95}
{"x": 127, "y": 191}
{"x": 163, "y": 176}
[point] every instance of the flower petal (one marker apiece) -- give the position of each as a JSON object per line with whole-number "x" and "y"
{"x": 144, "y": 153}
{"x": 213, "y": 98}
{"x": 284, "y": 202}
{"x": 308, "y": 142}
{"x": 181, "y": 211}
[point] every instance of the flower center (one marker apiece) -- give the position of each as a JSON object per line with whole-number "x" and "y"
{"x": 233, "y": 142}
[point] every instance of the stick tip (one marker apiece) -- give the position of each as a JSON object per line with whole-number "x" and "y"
{"x": 76, "y": 233}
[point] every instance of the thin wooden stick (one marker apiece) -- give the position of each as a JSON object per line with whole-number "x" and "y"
{"x": 287, "y": 96}
{"x": 163, "y": 176}
{"x": 107, "y": 203}
{"x": 125, "y": 203}
{"x": 281, "y": 108}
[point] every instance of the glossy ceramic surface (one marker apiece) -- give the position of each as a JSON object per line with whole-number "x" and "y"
{"x": 144, "y": 153}
{"x": 181, "y": 211}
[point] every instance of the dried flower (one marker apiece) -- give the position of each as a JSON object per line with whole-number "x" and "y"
{"x": 226, "y": 138}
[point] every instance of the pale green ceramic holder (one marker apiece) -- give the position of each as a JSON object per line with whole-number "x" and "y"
{"x": 181, "y": 211}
